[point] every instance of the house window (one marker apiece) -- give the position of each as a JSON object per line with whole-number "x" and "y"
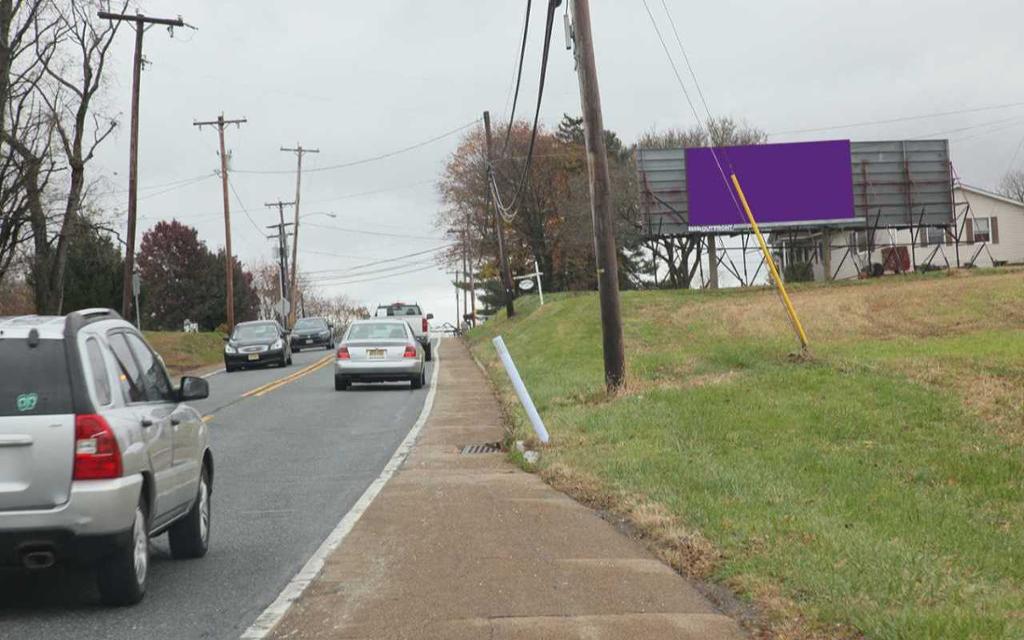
{"x": 934, "y": 235}
{"x": 982, "y": 230}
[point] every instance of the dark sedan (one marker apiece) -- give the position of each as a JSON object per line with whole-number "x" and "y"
{"x": 257, "y": 343}
{"x": 312, "y": 333}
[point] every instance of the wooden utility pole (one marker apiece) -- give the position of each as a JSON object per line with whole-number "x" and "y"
{"x": 299, "y": 151}
{"x": 282, "y": 253}
{"x": 503, "y": 266}
{"x": 229, "y": 267}
{"x": 472, "y": 278}
{"x": 600, "y": 200}
{"x": 133, "y": 147}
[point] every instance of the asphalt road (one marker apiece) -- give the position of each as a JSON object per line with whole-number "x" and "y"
{"x": 288, "y": 465}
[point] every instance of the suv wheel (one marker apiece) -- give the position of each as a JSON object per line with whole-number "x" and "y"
{"x": 121, "y": 577}
{"x": 428, "y": 352}
{"x": 190, "y": 536}
{"x": 340, "y": 384}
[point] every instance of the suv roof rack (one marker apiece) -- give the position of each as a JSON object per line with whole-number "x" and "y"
{"x": 78, "y": 319}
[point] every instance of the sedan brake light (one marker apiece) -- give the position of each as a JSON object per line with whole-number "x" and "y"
{"x": 97, "y": 456}
{"x": 343, "y": 354}
{"x": 410, "y": 351}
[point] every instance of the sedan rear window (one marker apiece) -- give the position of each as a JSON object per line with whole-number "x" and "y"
{"x": 247, "y": 332}
{"x": 310, "y": 324}
{"x": 36, "y": 379}
{"x": 378, "y": 331}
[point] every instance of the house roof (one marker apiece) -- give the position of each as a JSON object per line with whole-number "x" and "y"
{"x": 988, "y": 194}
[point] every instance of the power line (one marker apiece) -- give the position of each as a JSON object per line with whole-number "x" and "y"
{"x": 241, "y": 204}
{"x": 376, "y": 158}
{"x": 519, "y": 75}
{"x": 869, "y": 123}
{"x": 373, "y": 233}
{"x": 507, "y": 211}
{"x": 326, "y": 279}
{"x": 384, "y": 277}
{"x": 385, "y": 260}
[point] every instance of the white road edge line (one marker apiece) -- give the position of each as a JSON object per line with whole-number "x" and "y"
{"x": 212, "y": 373}
{"x": 274, "y": 613}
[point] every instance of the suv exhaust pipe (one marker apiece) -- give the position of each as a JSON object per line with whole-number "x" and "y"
{"x": 36, "y": 560}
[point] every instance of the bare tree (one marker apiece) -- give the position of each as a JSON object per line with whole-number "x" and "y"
{"x": 64, "y": 75}
{"x": 1012, "y": 185}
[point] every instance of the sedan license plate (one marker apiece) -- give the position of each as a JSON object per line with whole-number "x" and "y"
{"x": 254, "y": 356}
{"x": 375, "y": 354}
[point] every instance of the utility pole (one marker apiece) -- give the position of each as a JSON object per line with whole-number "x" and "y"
{"x": 229, "y": 266}
{"x": 299, "y": 152}
{"x": 472, "y": 276}
{"x": 600, "y": 199}
{"x": 133, "y": 148}
{"x": 506, "y": 273}
{"x": 465, "y": 278}
{"x": 282, "y": 253}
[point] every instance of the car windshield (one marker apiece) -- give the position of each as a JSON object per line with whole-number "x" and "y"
{"x": 378, "y": 331}
{"x": 310, "y": 324}
{"x": 41, "y": 385}
{"x": 399, "y": 309}
{"x": 264, "y": 331}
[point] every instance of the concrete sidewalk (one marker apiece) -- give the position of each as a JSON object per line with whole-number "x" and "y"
{"x": 467, "y": 546}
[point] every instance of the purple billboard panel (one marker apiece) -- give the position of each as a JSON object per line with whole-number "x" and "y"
{"x": 786, "y": 184}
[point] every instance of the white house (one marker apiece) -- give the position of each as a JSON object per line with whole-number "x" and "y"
{"x": 991, "y": 229}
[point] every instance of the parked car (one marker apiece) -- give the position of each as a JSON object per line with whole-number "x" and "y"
{"x": 98, "y": 452}
{"x": 312, "y": 333}
{"x": 379, "y": 351}
{"x": 257, "y": 343}
{"x": 417, "y": 321}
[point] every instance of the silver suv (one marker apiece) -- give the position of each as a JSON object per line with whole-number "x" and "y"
{"x": 98, "y": 453}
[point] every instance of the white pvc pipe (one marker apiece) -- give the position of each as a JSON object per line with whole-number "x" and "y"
{"x": 517, "y": 384}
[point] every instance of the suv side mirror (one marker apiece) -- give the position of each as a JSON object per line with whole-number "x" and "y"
{"x": 430, "y": 316}
{"x": 193, "y": 389}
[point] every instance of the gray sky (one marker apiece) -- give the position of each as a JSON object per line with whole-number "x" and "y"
{"x": 357, "y": 79}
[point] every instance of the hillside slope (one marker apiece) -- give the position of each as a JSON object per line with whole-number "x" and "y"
{"x": 878, "y": 486}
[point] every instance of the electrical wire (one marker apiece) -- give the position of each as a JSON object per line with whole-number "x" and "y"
{"x": 508, "y": 210}
{"x": 870, "y": 123}
{"x": 386, "y": 260}
{"x": 370, "y": 159}
{"x": 366, "y": 232}
{"x": 519, "y": 76}
{"x": 245, "y": 210}
{"x": 359, "y": 274}
{"x": 384, "y": 277}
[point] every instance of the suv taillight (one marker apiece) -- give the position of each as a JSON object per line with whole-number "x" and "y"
{"x": 410, "y": 351}
{"x": 343, "y": 354}
{"x": 97, "y": 456}
{"x": 426, "y": 326}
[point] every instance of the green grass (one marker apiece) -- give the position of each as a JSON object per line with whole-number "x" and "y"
{"x": 879, "y": 486}
{"x": 184, "y": 352}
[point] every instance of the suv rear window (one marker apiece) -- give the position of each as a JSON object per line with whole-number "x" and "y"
{"x": 35, "y": 379}
{"x": 403, "y": 310}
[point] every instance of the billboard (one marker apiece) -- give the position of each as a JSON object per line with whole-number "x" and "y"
{"x": 889, "y": 184}
{"x": 806, "y": 183}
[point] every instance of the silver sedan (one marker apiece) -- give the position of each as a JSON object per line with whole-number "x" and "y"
{"x": 379, "y": 351}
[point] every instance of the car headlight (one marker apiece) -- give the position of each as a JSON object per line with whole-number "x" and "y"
{"x": 230, "y": 349}
{"x": 278, "y": 345}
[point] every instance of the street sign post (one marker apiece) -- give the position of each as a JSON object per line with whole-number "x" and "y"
{"x": 526, "y": 281}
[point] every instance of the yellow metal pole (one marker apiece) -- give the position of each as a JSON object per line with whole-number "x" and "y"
{"x": 771, "y": 266}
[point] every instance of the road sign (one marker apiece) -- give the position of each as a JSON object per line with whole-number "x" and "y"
{"x": 526, "y": 285}
{"x": 136, "y": 284}
{"x": 283, "y": 307}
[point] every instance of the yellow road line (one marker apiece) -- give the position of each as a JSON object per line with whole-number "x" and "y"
{"x": 280, "y": 382}
{"x": 207, "y": 418}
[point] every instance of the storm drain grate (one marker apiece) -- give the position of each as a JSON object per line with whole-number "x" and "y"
{"x": 487, "y": 447}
